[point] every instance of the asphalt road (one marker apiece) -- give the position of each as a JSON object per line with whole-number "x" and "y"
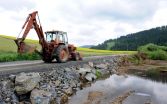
{"x": 7, "y": 68}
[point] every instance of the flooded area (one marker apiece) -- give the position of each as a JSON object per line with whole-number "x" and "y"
{"x": 122, "y": 90}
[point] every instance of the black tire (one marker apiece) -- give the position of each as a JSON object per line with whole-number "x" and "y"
{"x": 46, "y": 57}
{"x": 62, "y": 54}
{"x": 76, "y": 56}
{"x": 47, "y": 60}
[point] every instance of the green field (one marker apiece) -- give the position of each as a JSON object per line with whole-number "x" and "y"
{"x": 8, "y": 49}
{"x": 94, "y": 52}
{"x": 7, "y": 43}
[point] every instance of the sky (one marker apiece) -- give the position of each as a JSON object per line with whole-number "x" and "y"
{"x": 87, "y": 22}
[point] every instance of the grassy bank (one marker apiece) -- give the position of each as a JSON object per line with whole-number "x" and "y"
{"x": 13, "y": 56}
{"x": 154, "y": 52}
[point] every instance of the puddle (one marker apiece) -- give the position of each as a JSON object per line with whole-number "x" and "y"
{"x": 146, "y": 91}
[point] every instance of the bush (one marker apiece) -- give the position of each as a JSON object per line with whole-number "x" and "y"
{"x": 158, "y": 55}
{"x": 154, "y": 52}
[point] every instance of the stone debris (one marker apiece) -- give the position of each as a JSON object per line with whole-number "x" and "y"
{"x": 90, "y": 77}
{"x": 102, "y": 66}
{"x": 41, "y": 97}
{"x": 69, "y": 91}
{"x": 25, "y": 82}
{"x": 83, "y": 71}
{"x": 64, "y": 99}
{"x": 54, "y": 86}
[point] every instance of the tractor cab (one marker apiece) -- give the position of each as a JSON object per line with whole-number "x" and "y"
{"x": 58, "y": 36}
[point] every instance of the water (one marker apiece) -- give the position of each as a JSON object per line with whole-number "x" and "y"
{"x": 145, "y": 91}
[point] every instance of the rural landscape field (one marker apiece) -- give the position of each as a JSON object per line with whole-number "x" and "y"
{"x": 8, "y": 50}
{"x": 83, "y": 52}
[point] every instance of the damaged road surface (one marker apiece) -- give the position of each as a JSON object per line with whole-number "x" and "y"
{"x": 92, "y": 81}
{"x": 7, "y": 68}
{"x": 54, "y": 83}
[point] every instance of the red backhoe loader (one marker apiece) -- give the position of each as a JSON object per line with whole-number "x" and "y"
{"x": 54, "y": 45}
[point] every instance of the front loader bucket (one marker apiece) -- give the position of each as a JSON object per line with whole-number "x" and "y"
{"x": 24, "y": 47}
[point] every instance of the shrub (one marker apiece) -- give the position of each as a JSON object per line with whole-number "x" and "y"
{"x": 154, "y": 52}
{"x": 158, "y": 55}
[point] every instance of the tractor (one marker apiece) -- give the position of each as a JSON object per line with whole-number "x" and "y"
{"x": 54, "y": 44}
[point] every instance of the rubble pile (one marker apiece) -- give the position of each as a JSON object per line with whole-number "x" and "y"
{"x": 55, "y": 86}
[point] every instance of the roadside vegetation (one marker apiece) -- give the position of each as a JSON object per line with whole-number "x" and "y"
{"x": 154, "y": 52}
{"x": 13, "y": 56}
{"x": 149, "y": 51}
{"x": 149, "y": 62}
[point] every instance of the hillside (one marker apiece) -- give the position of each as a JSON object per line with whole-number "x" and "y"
{"x": 132, "y": 41}
{"x": 7, "y": 43}
{"x": 86, "y": 46}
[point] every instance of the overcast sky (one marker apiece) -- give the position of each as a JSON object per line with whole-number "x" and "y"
{"x": 86, "y": 21}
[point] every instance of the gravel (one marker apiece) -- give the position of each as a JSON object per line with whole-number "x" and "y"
{"x": 58, "y": 82}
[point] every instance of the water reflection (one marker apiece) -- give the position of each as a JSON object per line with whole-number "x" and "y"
{"x": 116, "y": 85}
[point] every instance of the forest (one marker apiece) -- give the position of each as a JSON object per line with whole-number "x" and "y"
{"x": 132, "y": 41}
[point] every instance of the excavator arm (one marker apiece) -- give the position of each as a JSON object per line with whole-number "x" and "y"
{"x": 31, "y": 22}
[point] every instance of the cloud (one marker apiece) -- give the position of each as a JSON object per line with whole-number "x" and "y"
{"x": 16, "y": 5}
{"x": 86, "y": 21}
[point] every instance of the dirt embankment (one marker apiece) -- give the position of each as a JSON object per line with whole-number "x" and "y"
{"x": 152, "y": 69}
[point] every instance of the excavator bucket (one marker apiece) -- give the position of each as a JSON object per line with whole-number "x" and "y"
{"x": 23, "y": 47}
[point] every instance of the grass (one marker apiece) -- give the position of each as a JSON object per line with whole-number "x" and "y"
{"x": 154, "y": 52}
{"x": 7, "y": 43}
{"x": 98, "y": 73}
{"x": 8, "y": 50}
{"x": 95, "y": 52}
{"x": 13, "y": 56}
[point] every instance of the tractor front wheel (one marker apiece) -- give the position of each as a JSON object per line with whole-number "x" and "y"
{"x": 62, "y": 54}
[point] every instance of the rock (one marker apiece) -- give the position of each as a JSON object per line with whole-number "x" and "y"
{"x": 90, "y": 77}
{"x": 25, "y": 82}
{"x": 103, "y": 72}
{"x": 102, "y": 66}
{"x": 23, "y": 102}
{"x": 6, "y": 90}
{"x": 1, "y": 101}
{"x": 12, "y": 77}
{"x": 73, "y": 83}
{"x": 83, "y": 71}
{"x": 91, "y": 64}
{"x": 64, "y": 99}
{"x": 93, "y": 71}
{"x": 5, "y": 85}
{"x": 7, "y": 99}
{"x": 69, "y": 91}
{"x": 42, "y": 97}
{"x": 14, "y": 99}
{"x": 67, "y": 69}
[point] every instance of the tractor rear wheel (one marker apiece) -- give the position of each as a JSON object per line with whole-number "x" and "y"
{"x": 46, "y": 58}
{"x": 62, "y": 54}
{"x": 76, "y": 56}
